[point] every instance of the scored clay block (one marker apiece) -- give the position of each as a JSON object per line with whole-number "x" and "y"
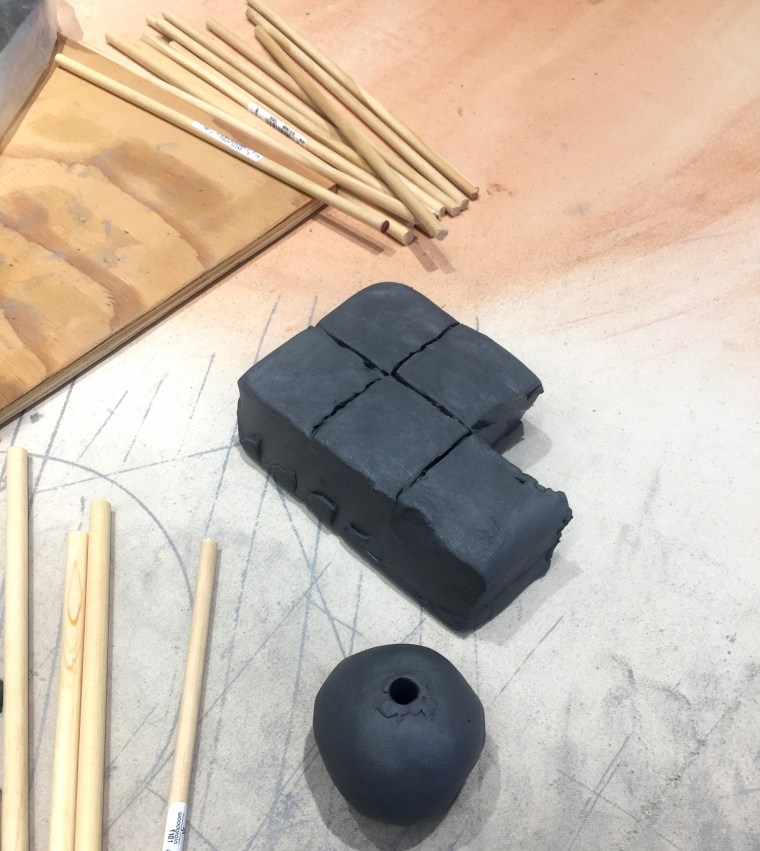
{"x": 372, "y": 449}
{"x": 466, "y": 555}
{"x": 287, "y": 394}
{"x": 474, "y": 379}
{"x": 386, "y": 323}
{"x": 378, "y": 420}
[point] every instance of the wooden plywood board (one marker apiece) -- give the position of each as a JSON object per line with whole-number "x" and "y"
{"x": 109, "y": 219}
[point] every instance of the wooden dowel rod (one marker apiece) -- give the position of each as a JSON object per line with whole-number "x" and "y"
{"x": 239, "y": 93}
{"x": 423, "y": 188}
{"x": 312, "y": 123}
{"x": 441, "y": 164}
{"x": 229, "y": 146}
{"x": 292, "y": 154}
{"x": 452, "y": 194}
{"x": 192, "y": 689}
{"x": 192, "y": 65}
{"x": 66, "y": 754}
{"x": 363, "y": 146}
{"x": 272, "y": 69}
{"x": 166, "y": 68}
{"x": 400, "y": 231}
{"x": 15, "y": 816}
{"x": 92, "y": 728}
{"x": 244, "y": 68}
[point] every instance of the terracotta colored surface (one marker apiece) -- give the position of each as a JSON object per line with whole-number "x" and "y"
{"x": 615, "y": 250}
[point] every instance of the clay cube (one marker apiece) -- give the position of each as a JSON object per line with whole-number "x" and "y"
{"x": 474, "y": 379}
{"x": 287, "y": 394}
{"x": 386, "y": 323}
{"x": 464, "y": 535}
{"x": 373, "y": 448}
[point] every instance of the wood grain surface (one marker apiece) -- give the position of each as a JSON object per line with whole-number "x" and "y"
{"x": 109, "y": 218}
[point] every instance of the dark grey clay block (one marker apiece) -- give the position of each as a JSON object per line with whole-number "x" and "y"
{"x": 399, "y": 730}
{"x": 287, "y": 394}
{"x": 474, "y": 379}
{"x": 370, "y": 450}
{"x": 390, "y": 468}
{"x": 464, "y": 535}
{"x": 386, "y": 323}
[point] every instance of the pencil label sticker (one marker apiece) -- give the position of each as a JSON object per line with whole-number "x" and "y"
{"x": 174, "y": 834}
{"x": 276, "y": 123}
{"x": 227, "y": 142}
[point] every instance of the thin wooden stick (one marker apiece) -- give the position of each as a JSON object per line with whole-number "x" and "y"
{"x": 422, "y": 187}
{"x": 92, "y": 728}
{"x": 262, "y": 62}
{"x": 187, "y": 726}
{"x": 360, "y": 212}
{"x": 442, "y": 165}
{"x": 312, "y": 122}
{"x": 363, "y": 146}
{"x": 456, "y": 200}
{"x": 292, "y": 154}
{"x": 167, "y": 68}
{"x": 15, "y": 817}
{"x": 245, "y": 68}
{"x": 261, "y": 108}
{"x": 66, "y": 755}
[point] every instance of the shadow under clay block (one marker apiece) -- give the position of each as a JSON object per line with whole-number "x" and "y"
{"x": 379, "y": 419}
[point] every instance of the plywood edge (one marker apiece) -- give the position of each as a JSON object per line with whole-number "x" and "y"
{"x": 165, "y": 309}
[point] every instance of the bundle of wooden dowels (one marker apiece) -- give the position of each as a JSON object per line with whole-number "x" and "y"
{"x": 386, "y": 176}
{"x": 76, "y": 813}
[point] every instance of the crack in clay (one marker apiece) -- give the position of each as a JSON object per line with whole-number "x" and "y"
{"x": 342, "y": 405}
{"x": 432, "y": 402}
{"x": 433, "y": 463}
{"x": 365, "y": 359}
{"x": 422, "y": 348}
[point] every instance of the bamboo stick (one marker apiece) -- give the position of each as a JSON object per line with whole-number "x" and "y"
{"x": 15, "y": 816}
{"x": 364, "y": 147}
{"x": 234, "y": 61}
{"x": 92, "y": 731}
{"x": 190, "y": 703}
{"x": 311, "y": 122}
{"x": 66, "y": 755}
{"x": 358, "y": 211}
{"x": 443, "y": 166}
{"x": 456, "y": 200}
{"x": 422, "y": 187}
{"x": 272, "y": 69}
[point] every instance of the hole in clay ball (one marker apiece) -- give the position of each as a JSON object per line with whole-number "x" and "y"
{"x": 403, "y": 690}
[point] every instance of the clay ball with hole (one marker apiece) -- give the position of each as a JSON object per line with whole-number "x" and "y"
{"x": 399, "y": 730}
